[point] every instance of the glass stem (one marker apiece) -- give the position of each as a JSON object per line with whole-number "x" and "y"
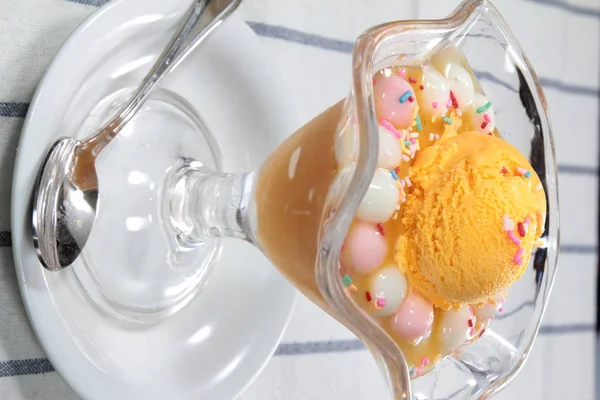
{"x": 204, "y": 204}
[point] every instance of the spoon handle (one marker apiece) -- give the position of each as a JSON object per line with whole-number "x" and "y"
{"x": 200, "y": 20}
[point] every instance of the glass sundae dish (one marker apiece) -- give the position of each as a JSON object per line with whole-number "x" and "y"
{"x": 418, "y": 211}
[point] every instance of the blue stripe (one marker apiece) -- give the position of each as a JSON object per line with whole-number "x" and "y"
{"x": 569, "y": 7}
{"x": 14, "y": 110}
{"x": 578, "y": 248}
{"x": 308, "y": 39}
{"x": 549, "y": 83}
{"x": 332, "y": 346}
{"x": 25, "y": 367}
{"x": 5, "y": 239}
{"x": 566, "y": 329}
{"x": 577, "y": 169}
{"x": 504, "y": 315}
{"x": 343, "y": 346}
{"x": 94, "y": 3}
{"x": 42, "y": 365}
{"x": 486, "y": 76}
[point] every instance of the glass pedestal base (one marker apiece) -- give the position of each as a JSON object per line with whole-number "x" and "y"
{"x": 132, "y": 268}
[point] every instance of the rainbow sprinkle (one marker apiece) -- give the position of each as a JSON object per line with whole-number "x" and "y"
{"x": 368, "y": 296}
{"x": 507, "y": 223}
{"x": 407, "y": 143}
{"x": 394, "y": 175}
{"x": 449, "y": 103}
{"x": 458, "y": 112}
{"x": 408, "y": 181}
{"x": 437, "y": 137}
{"x": 415, "y": 112}
{"x": 483, "y": 108}
{"x": 484, "y": 124}
{"x": 405, "y": 96}
{"x": 482, "y": 332}
{"x": 431, "y": 137}
{"x": 434, "y": 104}
{"x": 402, "y": 73}
{"x": 524, "y": 172}
{"x": 487, "y": 118}
{"x": 414, "y": 135}
{"x": 380, "y": 229}
{"x": 405, "y": 158}
{"x": 353, "y": 288}
{"x": 346, "y": 280}
{"x": 513, "y": 238}
{"x": 387, "y": 125}
{"x": 419, "y": 125}
{"x": 447, "y": 120}
{"x": 518, "y": 255}
{"x": 412, "y": 80}
{"x": 381, "y": 302}
{"x": 453, "y": 99}
{"x": 521, "y": 229}
{"x": 421, "y": 87}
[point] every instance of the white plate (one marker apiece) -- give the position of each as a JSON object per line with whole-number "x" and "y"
{"x": 214, "y": 347}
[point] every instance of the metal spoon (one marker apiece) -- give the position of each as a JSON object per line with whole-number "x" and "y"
{"x": 65, "y": 196}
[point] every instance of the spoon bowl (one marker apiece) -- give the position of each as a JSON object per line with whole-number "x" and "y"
{"x": 66, "y": 214}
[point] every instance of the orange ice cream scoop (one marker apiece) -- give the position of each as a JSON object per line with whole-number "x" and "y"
{"x": 474, "y": 213}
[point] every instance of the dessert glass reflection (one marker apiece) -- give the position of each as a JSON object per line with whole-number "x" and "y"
{"x": 411, "y": 211}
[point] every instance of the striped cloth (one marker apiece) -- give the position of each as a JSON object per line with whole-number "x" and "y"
{"x": 312, "y": 41}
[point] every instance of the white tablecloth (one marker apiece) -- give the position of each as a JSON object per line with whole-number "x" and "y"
{"x": 311, "y": 39}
